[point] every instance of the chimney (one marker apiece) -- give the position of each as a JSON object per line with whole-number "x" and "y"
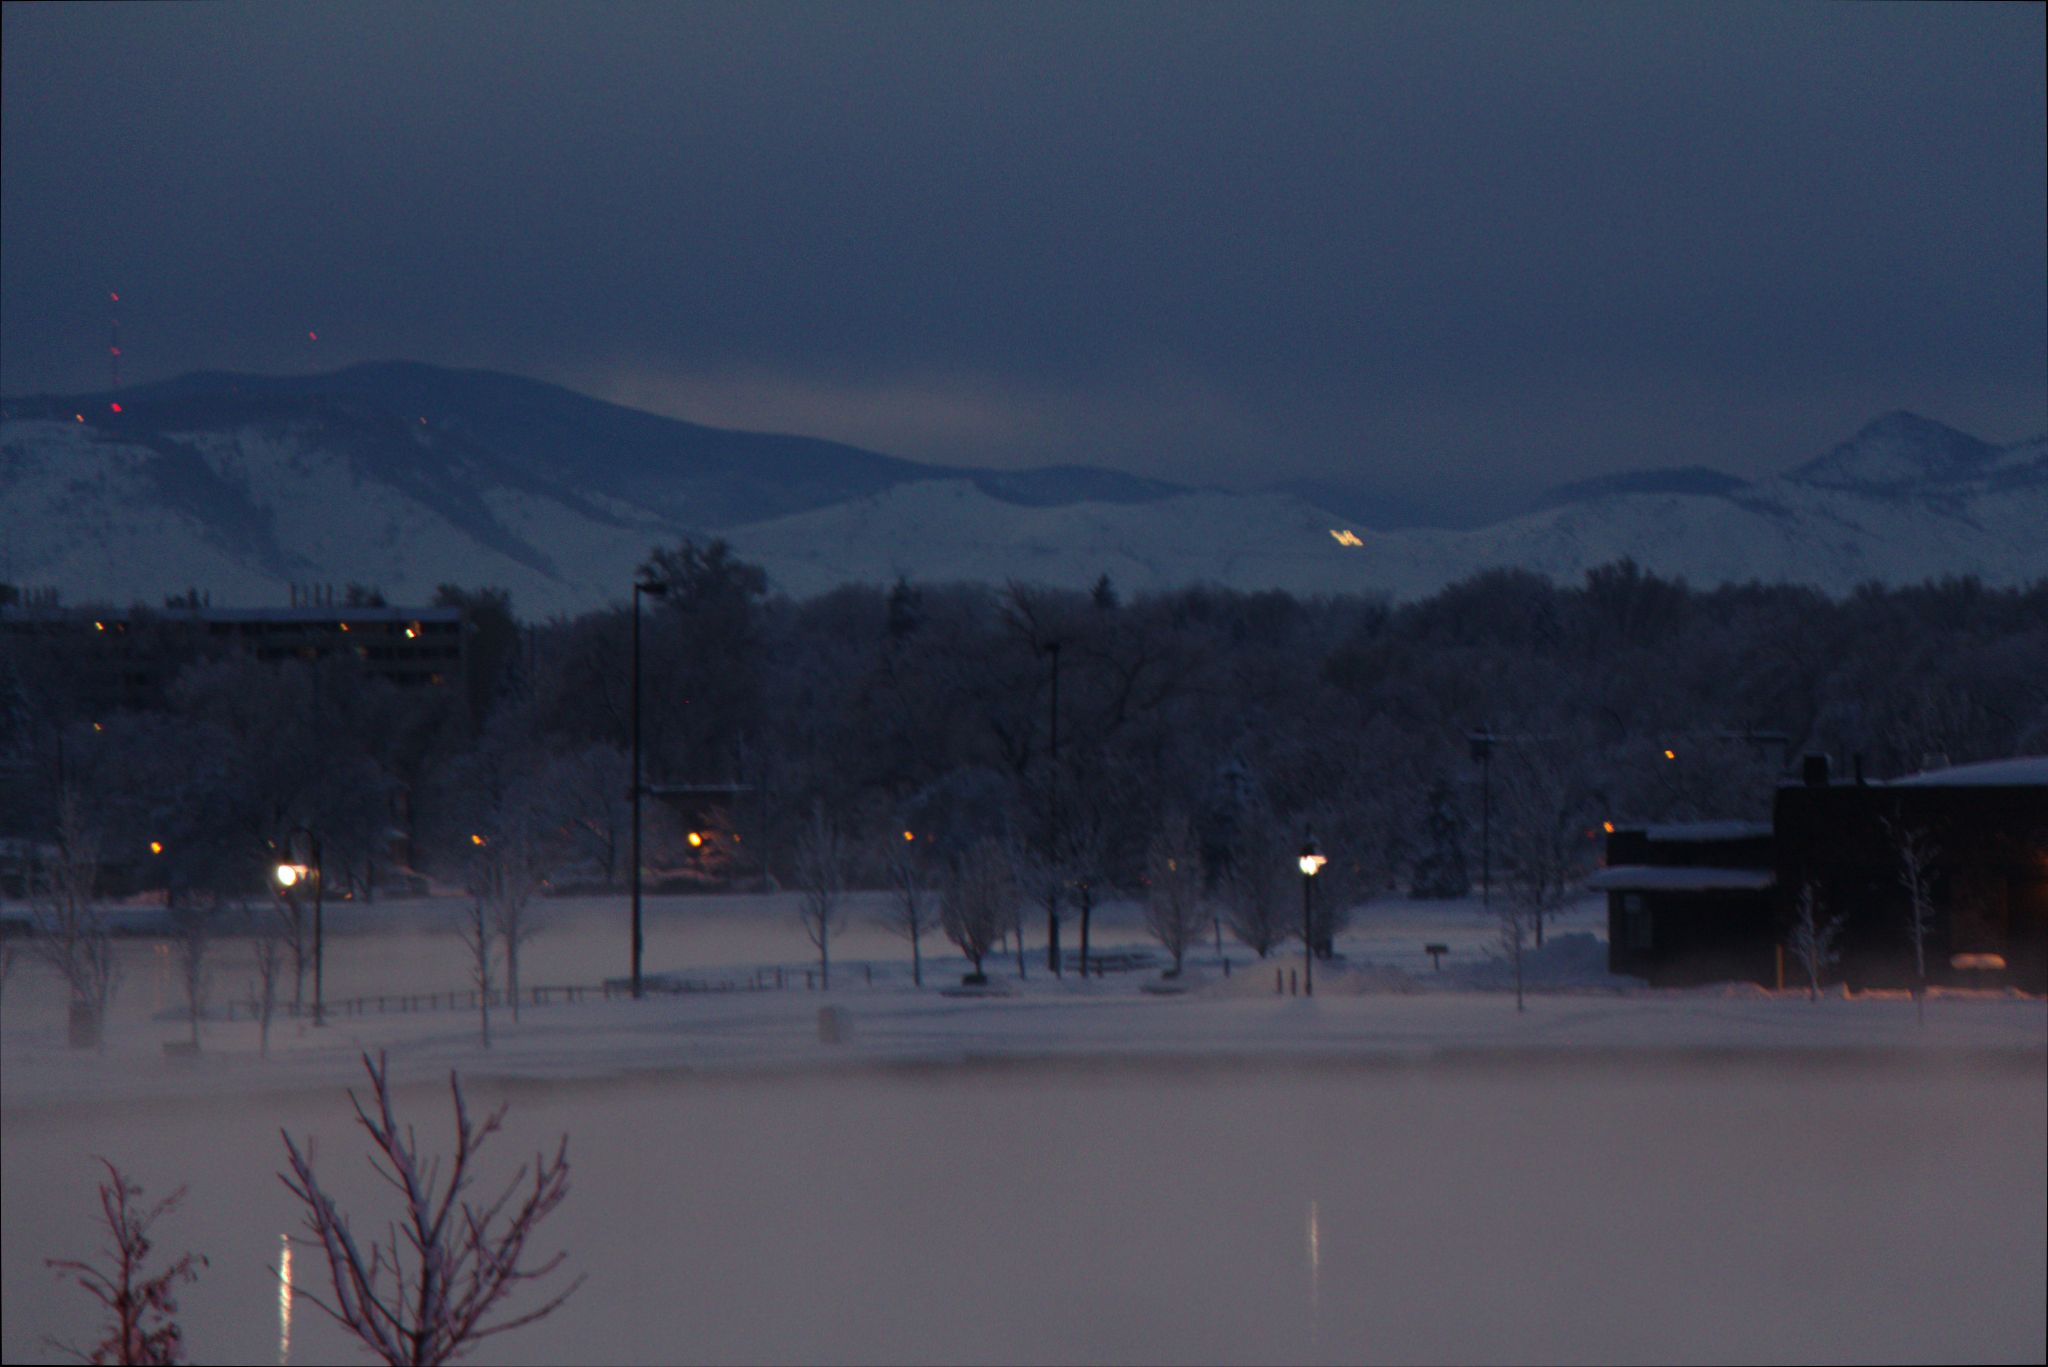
{"x": 1813, "y": 771}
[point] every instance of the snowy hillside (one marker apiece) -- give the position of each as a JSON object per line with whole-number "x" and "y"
{"x": 405, "y": 477}
{"x": 1835, "y": 524}
{"x": 243, "y": 513}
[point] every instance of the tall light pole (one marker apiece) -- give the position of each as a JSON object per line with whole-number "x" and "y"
{"x": 1052, "y": 838}
{"x": 656, "y": 587}
{"x": 1311, "y": 862}
{"x": 290, "y": 873}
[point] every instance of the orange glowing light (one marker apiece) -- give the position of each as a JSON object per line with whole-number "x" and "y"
{"x": 98, "y": 727}
{"x": 696, "y": 839}
{"x": 476, "y": 840}
{"x": 1670, "y": 754}
{"x": 1984, "y": 963}
{"x": 1607, "y": 826}
{"x": 1345, "y": 536}
{"x": 99, "y": 626}
{"x": 907, "y": 835}
{"x": 344, "y": 626}
{"x": 156, "y": 847}
{"x": 79, "y": 416}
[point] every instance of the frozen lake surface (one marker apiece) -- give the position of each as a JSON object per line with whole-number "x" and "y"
{"x": 1094, "y": 1173}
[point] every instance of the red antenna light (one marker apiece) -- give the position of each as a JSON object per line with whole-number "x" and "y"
{"x": 312, "y": 336}
{"x": 116, "y": 407}
{"x": 114, "y": 340}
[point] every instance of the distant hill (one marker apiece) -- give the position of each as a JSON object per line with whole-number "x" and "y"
{"x": 405, "y": 476}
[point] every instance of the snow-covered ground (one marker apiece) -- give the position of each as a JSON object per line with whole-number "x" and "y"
{"x": 1400, "y": 1169}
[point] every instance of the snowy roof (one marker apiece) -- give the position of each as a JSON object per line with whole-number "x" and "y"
{"x": 1709, "y": 830}
{"x": 2025, "y": 771}
{"x": 1678, "y": 878}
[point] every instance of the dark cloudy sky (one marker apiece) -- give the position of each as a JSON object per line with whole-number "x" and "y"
{"x": 1455, "y": 249}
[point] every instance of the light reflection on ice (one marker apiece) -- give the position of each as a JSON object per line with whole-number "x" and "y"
{"x": 1315, "y": 1275}
{"x": 284, "y": 1301}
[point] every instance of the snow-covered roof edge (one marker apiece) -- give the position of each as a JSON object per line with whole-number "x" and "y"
{"x": 2021, "y": 771}
{"x": 1679, "y": 878}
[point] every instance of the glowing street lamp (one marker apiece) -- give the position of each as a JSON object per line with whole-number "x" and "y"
{"x": 1311, "y": 862}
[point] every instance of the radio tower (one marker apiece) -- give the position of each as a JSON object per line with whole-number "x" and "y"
{"x": 114, "y": 340}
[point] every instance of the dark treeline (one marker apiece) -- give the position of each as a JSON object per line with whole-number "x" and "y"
{"x": 1240, "y": 718}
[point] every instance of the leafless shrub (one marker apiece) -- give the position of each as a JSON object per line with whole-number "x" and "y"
{"x": 71, "y": 936}
{"x": 506, "y": 870}
{"x": 423, "y": 1294}
{"x": 1174, "y": 910}
{"x": 821, "y": 859}
{"x": 1917, "y": 853}
{"x": 268, "y": 948}
{"x": 980, "y": 901}
{"x": 191, "y": 943}
{"x": 142, "y": 1330}
{"x": 1513, "y": 916}
{"x": 1812, "y": 940}
{"x": 475, "y": 932}
{"x": 913, "y": 908}
{"x": 1260, "y": 893}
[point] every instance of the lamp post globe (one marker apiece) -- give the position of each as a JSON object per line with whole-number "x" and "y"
{"x": 1311, "y": 863}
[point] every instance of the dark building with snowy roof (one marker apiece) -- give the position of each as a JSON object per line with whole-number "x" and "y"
{"x": 1711, "y": 901}
{"x": 1692, "y": 902}
{"x": 1986, "y": 829}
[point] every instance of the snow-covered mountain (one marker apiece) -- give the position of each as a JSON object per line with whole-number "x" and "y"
{"x": 405, "y": 477}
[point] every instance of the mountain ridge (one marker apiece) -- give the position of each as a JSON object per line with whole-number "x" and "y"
{"x": 407, "y": 476}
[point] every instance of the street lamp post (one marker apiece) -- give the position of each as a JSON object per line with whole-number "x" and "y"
{"x": 657, "y": 588}
{"x": 1482, "y": 750}
{"x": 1052, "y": 919}
{"x": 1311, "y": 862}
{"x": 289, "y": 875}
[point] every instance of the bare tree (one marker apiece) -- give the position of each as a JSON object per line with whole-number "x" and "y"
{"x": 1917, "y": 853}
{"x": 71, "y": 936}
{"x": 474, "y": 930}
{"x": 1174, "y": 909}
{"x": 506, "y": 870}
{"x": 1513, "y": 917}
{"x": 1541, "y": 806}
{"x": 913, "y": 908}
{"x": 1812, "y": 940}
{"x": 821, "y": 859}
{"x": 142, "y": 1330}
{"x": 191, "y": 942}
{"x": 450, "y": 1261}
{"x": 979, "y": 903}
{"x": 1259, "y": 891}
{"x": 268, "y": 948}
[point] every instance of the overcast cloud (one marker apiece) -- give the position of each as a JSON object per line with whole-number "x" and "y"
{"x": 1452, "y": 249}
